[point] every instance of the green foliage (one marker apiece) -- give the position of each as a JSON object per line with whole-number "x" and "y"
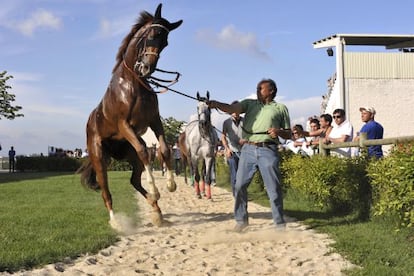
{"x": 44, "y": 163}
{"x": 392, "y": 180}
{"x": 116, "y": 165}
{"x": 172, "y": 128}
{"x": 222, "y": 172}
{"x": 7, "y": 110}
{"x": 338, "y": 184}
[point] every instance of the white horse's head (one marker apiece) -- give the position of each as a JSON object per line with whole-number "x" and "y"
{"x": 204, "y": 112}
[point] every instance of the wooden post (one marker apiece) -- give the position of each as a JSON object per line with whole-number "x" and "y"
{"x": 363, "y": 137}
{"x": 322, "y": 150}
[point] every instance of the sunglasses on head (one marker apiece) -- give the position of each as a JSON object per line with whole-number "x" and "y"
{"x": 337, "y": 116}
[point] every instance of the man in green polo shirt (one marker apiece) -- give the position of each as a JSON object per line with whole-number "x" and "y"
{"x": 264, "y": 121}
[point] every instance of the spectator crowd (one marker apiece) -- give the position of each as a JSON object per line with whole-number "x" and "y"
{"x": 335, "y": 128}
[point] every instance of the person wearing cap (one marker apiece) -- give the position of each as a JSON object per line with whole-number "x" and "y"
{"x": 373, "y": 129}
{"x": 264, "y": 121}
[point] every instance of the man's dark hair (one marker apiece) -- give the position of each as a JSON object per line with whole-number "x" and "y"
{"x": 339, "y": 111}
{"x": 272, "y": 85}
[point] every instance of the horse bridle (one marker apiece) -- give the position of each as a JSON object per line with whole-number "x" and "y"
{"x": 209, "y": 125}
{"x": 141, "y": 52}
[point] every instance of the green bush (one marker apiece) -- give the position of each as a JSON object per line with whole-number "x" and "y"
{"x": 222, "y": 171}
{"x": 116, "y": 165}
{"x": 61, "y": 164}
{"x": 392, "y": 180}
{"x": 338, "y": 184}
{"x": 44, "y": 163}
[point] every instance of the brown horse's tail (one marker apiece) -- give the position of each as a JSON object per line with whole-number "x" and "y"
{"x": 88, "y": 175}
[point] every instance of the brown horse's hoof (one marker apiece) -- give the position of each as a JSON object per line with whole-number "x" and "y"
{"x": 171, "y": 186}
{"x": 156, "y": 218}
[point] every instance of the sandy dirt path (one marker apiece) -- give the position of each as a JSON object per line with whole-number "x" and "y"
{"x": 198, "y": 241}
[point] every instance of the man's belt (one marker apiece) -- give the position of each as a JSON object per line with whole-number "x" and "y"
{"x": 261, "y": 144}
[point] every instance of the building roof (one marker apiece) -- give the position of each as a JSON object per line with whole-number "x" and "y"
{"x": 390, "y": 41}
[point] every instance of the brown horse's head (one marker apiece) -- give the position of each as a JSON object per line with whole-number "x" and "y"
{"x": 142, "y": 47}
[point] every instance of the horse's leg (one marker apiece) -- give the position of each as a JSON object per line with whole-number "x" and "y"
{"x": 165, "y": 153}
{"x": 194, "y": 165}
{"x": 139, "y": 145}
{"x": 98, "y": 162}
{"x": 184, "y": 162}
{"x": 209, "y": 166}
{"x": 203, "y": 178}
{"x": 135, "y": 180}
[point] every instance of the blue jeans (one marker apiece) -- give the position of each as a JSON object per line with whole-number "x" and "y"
{"x": 266, "y": 159}
{"x": 233, "y": 162}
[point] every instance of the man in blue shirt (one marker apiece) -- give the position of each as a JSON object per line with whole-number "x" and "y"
{"x": 373, "y": 129}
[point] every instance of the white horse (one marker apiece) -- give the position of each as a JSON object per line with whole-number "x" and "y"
{"x": 198, "y": 143}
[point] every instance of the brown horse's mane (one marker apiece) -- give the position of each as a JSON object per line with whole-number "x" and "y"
{"x": 143, "y": 19}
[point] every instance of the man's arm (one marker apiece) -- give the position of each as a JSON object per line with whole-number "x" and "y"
{"x": 227, "y": 150}
{"x": 284, "y": 133}
{"x": 229, "y": 108}
{"x": 341, "y": 139}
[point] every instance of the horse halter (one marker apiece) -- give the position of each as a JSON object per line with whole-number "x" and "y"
{"x": 204, "y": 116}
{"x": 204, "y": 123}
{"x": 204, "y": 113}
{"x": 148, "y": 42}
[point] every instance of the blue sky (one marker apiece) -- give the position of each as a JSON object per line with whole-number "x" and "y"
{"x": 61, "y": 53}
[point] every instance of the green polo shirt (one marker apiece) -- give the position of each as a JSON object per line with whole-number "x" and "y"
{"x": 260, "y": 117}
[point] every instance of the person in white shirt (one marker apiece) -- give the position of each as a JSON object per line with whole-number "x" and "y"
{"x": 342, "y": 131}
{"x": 298, "y": 139}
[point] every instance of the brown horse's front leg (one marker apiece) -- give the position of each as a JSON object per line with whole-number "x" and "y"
{"x": 156, "y": 216}
{"x": 139, "y": 145}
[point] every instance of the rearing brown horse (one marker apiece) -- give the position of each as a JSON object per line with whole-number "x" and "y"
{"x": 127, "y": 109}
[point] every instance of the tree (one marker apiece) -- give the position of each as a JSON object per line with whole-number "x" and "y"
{"x": 7, "y": 110}
{"x": 172, "y": 129}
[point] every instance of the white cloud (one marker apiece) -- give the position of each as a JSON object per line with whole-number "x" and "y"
{"x": 112, "y": 28}
{"x": 229, "y": 38}
{"x": 301, "y": 109}
{"x": 39, "y": 19}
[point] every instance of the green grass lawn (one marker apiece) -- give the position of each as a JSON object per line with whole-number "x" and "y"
{"x": 45, "y": 217}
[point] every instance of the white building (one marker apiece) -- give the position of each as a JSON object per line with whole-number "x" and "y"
{"x": 383, "y": 80}
{"x": 149, "y": 138}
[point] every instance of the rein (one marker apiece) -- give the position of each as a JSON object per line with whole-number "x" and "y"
{"x": 136, "y": 76}
{"x": 249, "y": 132}
{"x": 145, "y": 81}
